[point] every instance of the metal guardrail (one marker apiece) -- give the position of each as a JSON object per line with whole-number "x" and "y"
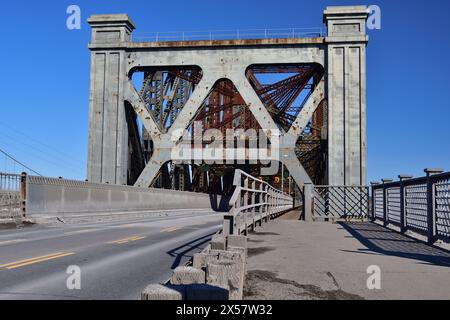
{"x": 286, "y": 33}
{"x": 253, "y": 201}
{"x": 12, "y": 195}
{"x": 341, "y": 202}
{"x": 10, "y": 182}
{"x": 421, "y": 205}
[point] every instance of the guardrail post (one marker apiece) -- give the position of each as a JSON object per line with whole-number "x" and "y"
{"x": 23, "y": 194}
{"x": 385, "y": 201}
{"x": 253, "y": 202}
{"x": 267, "y": 199}
{"x": 431, "y": 215}
{"x": 245, "y": 204}
{"x": 307, "y": 201}
{"x": 262, "y": 200}
{"x": 373, "y": 184}
{"x": 402, "y": 178}
{"x": 228, "y": 225}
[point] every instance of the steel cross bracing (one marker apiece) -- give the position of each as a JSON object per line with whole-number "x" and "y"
{"x": 222, "y": 108}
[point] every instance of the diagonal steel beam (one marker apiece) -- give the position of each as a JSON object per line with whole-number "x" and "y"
{"x": 193, "y": 105}
{"x": 287, "y": 142}
{"x": 133, "y": 97}
{"x": 151, "y": 171}
{"x": 253, "y": 102}
{"x": 308, "y": 109}
{"x": 165, "y": 142}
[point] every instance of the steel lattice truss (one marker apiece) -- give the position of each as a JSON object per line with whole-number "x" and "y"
{"x": 165, "y": 93}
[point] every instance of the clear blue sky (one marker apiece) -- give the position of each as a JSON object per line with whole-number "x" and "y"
{"x": 45, "y": 82}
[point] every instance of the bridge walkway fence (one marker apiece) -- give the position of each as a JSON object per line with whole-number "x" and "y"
{"x": 254, "y": 201}
{"x": 420, "y": 205}
{"x": 329, "y": 203}
{"x": 12, "y": 197}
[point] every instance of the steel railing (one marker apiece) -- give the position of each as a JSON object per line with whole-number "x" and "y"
{"x": 12, "y": 195}
{"x": 241, "y": 34}
{"x": 421, "y": 205}
{"x": 341, "y": 202}
{"x": 253, "y": 202}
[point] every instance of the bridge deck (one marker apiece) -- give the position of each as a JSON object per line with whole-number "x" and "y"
{"x": 297, "y": 260}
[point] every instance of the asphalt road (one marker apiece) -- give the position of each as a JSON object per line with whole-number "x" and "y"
{"x": 117, "y": 259}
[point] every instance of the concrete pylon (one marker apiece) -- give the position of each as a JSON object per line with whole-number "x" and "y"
{"x": 346, "y": 87}
{"x": 108, "y": 132}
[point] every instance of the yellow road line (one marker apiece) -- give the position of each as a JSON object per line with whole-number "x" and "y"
{"x": 12, "y": 241}
{"x": 130, "y": 225}
{"x": 26, "y": 262}
{"x": 122, "y": 241}
{"x": 81, "y": 231}
{"x": 200, "y": 224}
{"x": 171, "y": 229}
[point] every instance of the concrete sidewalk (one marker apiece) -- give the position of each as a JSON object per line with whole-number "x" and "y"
{"x": 291, "y": 259}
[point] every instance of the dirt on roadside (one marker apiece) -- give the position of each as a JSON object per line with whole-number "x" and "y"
{"x": 265, "y": 285}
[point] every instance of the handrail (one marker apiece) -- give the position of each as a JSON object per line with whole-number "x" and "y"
{"x": 237, "y": 34}
{"x": 253, "y": 201}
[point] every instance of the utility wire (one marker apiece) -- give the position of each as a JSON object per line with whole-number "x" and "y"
{"x": 45, "y": 157}
{"x": 67, "y": 157}
{"x": 17, "y": 161}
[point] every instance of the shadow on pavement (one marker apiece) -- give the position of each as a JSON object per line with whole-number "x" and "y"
{"x": 381, "y": 240}
{"x": 187, "y": 250}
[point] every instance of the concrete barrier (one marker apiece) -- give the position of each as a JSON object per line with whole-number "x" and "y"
{"x": 48, "y": 196}
{"x": 226, "y": 274}
{"x": 218, "y": 242}
{"x": 188, "y": 275}
{"x": 223, "y": 270}
{"x": 163, "y": 292}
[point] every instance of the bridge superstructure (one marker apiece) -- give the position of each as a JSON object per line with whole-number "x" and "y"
{"x": 144, "y": 95}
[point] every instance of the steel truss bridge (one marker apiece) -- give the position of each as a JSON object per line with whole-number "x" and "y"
{"x": 311, "y": 89}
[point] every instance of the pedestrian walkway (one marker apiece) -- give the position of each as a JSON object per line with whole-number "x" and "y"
{"x": 291, "y": 259}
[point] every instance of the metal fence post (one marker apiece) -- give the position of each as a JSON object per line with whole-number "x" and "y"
{"x": 431, "y": 215}
{"x": 307, "y": 201}
{"x": 23, "y": 194}
{"x": 373, "y": 184}
{"x": 372, "y": 200}
{"x": 403, "y": 225}
{"x": 385, "y": 201}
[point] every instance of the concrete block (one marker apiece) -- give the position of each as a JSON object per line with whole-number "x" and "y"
{"x": 227, "y": 274}
{"x": 237, "y": 241}
{"x": 202, "y": 259}
{"x": 238, "y": 249}
{"x": 187, "y": 275}
{"x": 239, "y": 255}
{"x": 199, "y": 260}
{"x": 218, "y": 242}
{"x": 229, "y": 255}
{"x": 163, "y": 292}
{"x": 205, "y": 292}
